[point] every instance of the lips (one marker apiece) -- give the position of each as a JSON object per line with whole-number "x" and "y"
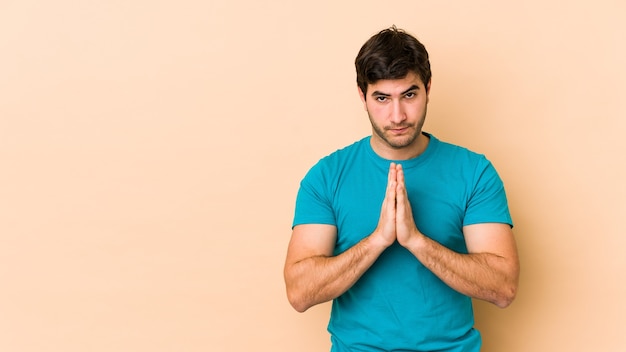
{"x": 399, "y": 130}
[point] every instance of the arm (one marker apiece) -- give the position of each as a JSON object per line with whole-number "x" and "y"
{"x": 489, "y": 271}
{"x": 313, "y": 275}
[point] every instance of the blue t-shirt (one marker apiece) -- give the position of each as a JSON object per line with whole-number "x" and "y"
{"x": 398, "y": 304}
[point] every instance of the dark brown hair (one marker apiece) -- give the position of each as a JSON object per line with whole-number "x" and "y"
{"x": 391, "y": 54}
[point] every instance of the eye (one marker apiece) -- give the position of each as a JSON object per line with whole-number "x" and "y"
{"x": 381, "y": 99}
{"x": 410, "y": 95}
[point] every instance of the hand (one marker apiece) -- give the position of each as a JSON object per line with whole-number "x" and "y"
{"x": 386, "y": 229}
{"x": 406, "y": 231}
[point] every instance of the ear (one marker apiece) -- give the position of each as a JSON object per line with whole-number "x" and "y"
{"x": 362, "y": 96}
{"x": 428, "y": 90}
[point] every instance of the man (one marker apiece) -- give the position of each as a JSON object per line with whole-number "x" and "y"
{"x": 400, "y": 229}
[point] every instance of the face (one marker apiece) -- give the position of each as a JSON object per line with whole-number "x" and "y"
{"x": 397, "y": 110}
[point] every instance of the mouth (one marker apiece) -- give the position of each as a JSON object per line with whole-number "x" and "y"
{"x": 399, "y": 130}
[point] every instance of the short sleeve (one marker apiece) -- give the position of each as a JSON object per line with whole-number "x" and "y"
{"x": 487, "y": 201}
{"x": 313, "y": 202}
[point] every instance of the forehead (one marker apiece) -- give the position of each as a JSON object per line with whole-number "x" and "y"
{"x": 396, "y": 86}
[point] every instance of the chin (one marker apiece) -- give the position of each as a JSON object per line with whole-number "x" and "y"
{"x": 401, "y": 142}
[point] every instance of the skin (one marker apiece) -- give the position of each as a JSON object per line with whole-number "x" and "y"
{"x": 490, "y": 271}
{"x": 397, "y": 111}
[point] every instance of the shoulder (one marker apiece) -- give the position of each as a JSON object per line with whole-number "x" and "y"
{"x": 314, "y": 203}
{"x": 338, "y": 159}
{"x": 473, "y": 167}
{"x": 457, "y": 153}
{"x": 347, "y": 152}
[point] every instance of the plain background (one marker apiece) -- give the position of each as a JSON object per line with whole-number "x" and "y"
{"x": 151, "y": 152}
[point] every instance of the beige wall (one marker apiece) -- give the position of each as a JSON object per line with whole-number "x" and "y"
{"x": 151, "y": 152}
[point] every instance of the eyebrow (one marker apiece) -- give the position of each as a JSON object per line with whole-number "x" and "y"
{"x": 381, "y": 94}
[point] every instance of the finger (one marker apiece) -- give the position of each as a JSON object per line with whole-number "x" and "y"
{"x": 390, "y": 196}
{"x": 391, "y": 176}
{"x": 400, "y": 173}
{"x": 401, "y": 185}
{"x": 402, "y": 197}
{"x": 387, "y": 222}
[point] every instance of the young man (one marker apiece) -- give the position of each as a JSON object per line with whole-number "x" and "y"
{"x": 400, "y": 229}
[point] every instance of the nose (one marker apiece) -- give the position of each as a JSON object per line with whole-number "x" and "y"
{"x": 397, "y": 112}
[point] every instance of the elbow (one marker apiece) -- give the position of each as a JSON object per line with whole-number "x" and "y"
{"x": 301, "y": 294}
{"x": 300, "y": 308}
{"x": 297, "y": 301}
{"x": 506, "y": 296}
{"x": 294, "y": 295}
{"x": 508, "y": 290}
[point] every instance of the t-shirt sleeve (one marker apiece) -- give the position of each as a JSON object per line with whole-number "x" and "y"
{"x": 313, "y": 202}
{"x": 487, "y": 202}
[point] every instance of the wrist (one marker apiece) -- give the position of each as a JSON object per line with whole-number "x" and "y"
{"x": 415, "y": 241}
{"x": 378, "y": 241}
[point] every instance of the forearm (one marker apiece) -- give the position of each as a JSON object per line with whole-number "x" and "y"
{"x": 484, "y": 276}
{"x": 319, "y": 279}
